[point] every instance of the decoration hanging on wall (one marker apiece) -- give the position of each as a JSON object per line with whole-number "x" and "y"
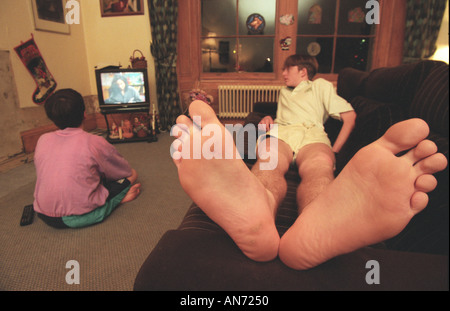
{"x": 121, "y": 7}
{"x": 31, "y": 57}
{"x": 256, "y": 24}
{"x": 287, "y": 19}
{"x": 315, "y": 15}
{"x": 356, "y": 15}
{"x": 286, "y": 43}
{"x": 313, "y": 48}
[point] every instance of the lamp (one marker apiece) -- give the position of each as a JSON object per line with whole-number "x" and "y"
{"x": 209, "y": 46}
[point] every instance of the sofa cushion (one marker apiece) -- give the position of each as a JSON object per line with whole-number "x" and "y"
{"x": 351, "y": 83}
{"x": 397, "y": 84}
{"x": 266, "y": 108}
{"x": 431, "y": 100}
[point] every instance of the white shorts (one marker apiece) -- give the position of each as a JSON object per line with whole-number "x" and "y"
{"x": 299, "y": 135}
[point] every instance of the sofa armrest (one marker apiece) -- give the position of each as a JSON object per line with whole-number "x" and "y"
{"x": 199, "y": 260}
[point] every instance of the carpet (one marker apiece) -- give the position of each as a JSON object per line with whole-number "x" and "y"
{"x": 34, "y": 258}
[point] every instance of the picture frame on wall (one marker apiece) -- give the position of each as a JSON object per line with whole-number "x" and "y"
{"x": 121, "y": 7}
{"x": 49, "y": 15}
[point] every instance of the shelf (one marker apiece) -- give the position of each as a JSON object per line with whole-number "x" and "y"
{"x": 150, "y": 138}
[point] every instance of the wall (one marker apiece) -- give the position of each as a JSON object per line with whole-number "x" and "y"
{"x": 112, "y": 40}
{"x": 70, "y": 58}
{"x": 442, "y": 40}
{"x": 65, "y": 55}
{"x": 10, "y": 139}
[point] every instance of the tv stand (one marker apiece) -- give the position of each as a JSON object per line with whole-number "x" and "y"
{"x": 151, "y": 137}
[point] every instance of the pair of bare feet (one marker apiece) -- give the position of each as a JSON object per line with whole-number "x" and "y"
{"x": 373, "y": 198}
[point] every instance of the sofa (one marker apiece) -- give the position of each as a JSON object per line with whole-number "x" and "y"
{"x": 200, "y": 256}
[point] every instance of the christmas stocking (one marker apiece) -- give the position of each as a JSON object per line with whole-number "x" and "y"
{"x": 32, "y": 59}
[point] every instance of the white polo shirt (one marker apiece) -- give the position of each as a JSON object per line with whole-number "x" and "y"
{"x": 311, "y": 102}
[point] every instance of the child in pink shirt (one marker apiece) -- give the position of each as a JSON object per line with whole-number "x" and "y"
{"x": 81, "y": 178}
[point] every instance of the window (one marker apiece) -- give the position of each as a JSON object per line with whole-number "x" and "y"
{"x": 213, "y": 42}
{"x": 336, "y": 32}
{"x": 238, "y": 35}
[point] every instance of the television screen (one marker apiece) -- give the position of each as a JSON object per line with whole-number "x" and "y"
{"x": 122, "y": 87}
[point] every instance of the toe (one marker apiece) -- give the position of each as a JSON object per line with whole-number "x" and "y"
{"x": 423, "y": 150}
{"x": 184, "y": 122}
{"x": 404, "y": 135}
{"x": 426, "y": 183}
{"x": 432, "y": 164}
{"x": 201, "y": 109}
{"x": 180, "y": 146}
{"x": 419, "y": 201}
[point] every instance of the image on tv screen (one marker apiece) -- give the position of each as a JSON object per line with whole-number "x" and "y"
{"x": 123, "y": 87}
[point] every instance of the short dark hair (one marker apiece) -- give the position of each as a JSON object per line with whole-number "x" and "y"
{"x": 303, "y": 61}
{"x": 65, "y": 108}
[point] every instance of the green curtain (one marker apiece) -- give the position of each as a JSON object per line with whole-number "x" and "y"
{"x": 163, "y": 21}
{"x": 423, "y": 22}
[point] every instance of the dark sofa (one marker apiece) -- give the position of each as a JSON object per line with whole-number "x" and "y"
{"x": 199, "y": 255}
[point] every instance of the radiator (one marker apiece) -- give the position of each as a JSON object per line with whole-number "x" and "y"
{"x": 236, "y": 101}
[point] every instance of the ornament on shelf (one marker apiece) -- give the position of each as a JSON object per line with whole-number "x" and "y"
{"x": 286, "y": 43}
{"x": 127, "y": 129}
{"x": 114, "y": 133}
{"x": 287, "y": 19}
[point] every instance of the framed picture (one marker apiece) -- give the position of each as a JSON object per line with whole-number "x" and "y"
{"x": 49, "y": 15}
{"x": 121, "y": 7}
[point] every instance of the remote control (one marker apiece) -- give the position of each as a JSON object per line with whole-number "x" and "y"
{"x": 27, "y": 215}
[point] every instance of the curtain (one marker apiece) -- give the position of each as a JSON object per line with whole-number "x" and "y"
{"x": 423, "y": 22}
{"x": 163, "y": 21}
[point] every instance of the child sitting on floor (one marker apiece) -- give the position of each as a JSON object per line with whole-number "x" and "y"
{"x": 81, "y": 178}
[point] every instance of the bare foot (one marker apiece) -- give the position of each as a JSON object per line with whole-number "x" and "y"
{"x": 372, "y": 199}
{"x": 132, "y": 194}
{"x": 225, "y": 189}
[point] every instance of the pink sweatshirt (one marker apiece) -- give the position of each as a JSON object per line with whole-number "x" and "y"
{"x": 69, "y": 166}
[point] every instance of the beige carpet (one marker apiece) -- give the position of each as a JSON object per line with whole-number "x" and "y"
{"x": 109, "y": 254}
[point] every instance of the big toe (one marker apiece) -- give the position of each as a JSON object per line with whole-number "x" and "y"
{"x": 404, "y": 135}
{"x": 201, "y": 109}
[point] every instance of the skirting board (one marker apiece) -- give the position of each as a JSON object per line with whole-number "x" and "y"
{"x": 30, "y": 137}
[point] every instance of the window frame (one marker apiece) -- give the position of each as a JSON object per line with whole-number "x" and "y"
{"x": 335, "y": 36}
{"x": 278, "y": 55}
{"x": 238, "y": 75}
{"x": 387, "y": 50}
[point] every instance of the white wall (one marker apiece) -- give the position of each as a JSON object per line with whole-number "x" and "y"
{"x": 65, "y": 55}
{"x": 112, "y": 40}
{"x": 71, "y": 58}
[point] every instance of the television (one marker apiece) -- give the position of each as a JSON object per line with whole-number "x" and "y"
{"x": 122, "y": 88}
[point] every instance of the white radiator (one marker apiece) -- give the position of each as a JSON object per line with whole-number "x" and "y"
{"x": 236, "y": 101}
